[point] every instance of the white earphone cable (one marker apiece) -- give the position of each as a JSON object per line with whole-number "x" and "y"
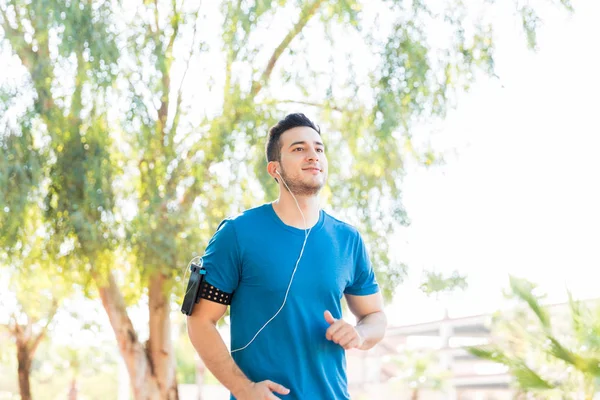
{"x": 306, "y": 233}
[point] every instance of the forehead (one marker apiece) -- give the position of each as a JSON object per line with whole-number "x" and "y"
{"x": 299, "y": 134}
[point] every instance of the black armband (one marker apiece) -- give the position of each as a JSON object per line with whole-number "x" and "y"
{"x": 197, "y": 288}
{"x": 209, "y": 292}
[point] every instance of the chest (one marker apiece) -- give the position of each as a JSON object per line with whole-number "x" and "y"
{"x": 323, "y": 268}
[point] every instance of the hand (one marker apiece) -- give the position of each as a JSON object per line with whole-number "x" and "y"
{"x": 262, "y": 391}
{"x": 342, "y": 333}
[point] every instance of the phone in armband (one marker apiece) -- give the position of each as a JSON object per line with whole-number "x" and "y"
{"x": 192, "y": 292}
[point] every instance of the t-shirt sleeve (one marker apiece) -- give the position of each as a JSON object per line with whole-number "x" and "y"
{"x": 222, "y": 258}
{"x": 364, "y": 281}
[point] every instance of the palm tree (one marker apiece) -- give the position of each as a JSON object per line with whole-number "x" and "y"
{"x": 543, "y": 356}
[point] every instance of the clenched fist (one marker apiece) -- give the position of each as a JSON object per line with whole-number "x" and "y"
{"x": 342, "y": 333}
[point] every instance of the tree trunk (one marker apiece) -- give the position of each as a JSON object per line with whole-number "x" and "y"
{"x": 160, "y": 346}
{"x": 415, "y": 394}
{"x": 27, "y": 343}
{"x": 24, "y": 360}
{"x": 73, "y": 389}
{"x": 150, "y": 379}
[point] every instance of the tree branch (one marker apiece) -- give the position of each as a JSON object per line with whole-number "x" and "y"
{"x": 165, "y": 66}
{"x": 305, "y": 16}
{"x": 164, "y": 103}
{"x": 175, "y": 26}
{"x": 42, "y": 334}
{"x": 231, "y": 52}
{"x": 6, "y": 24}
{"x": 37, "y": 63}
{"x": 133, "y": 90}
{"x": 175, "y": 124}
{"x": 156, "y": 18}
{"x": 76, "y": 102}
{"x": 14, "y": 329}
{"x": 16, "y": 39}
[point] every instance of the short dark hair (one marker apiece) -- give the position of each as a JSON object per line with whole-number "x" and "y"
{"x": 273, "y": 148}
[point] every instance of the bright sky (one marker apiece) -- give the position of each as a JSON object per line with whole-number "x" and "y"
{"x": 519, "y": 193}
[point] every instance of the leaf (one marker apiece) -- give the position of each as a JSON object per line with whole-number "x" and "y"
{"x": 524, "y": 291}
{"x": 587, "y": 365}
{"x": 530, "y": 21}
{"x": 526, "y": 377}
{"x": 436, "y": 283}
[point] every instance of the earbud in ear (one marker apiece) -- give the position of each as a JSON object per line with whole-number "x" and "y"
{"x": 277, "y": 171}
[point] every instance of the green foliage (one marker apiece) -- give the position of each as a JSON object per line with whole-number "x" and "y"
{"x": 543, "y": 357}
{"x": 421, "y": 370}
{"x": 132, "y": 164}
{"x": 174, "y": 183}
{"x": 20, "y": 174}
{"x": 525, "y": 376}
{"x": 436, "y": 283}
{"x": 80, "y": 198}
{"x": 67, "y": 46}
{"x": 523, "y": 289}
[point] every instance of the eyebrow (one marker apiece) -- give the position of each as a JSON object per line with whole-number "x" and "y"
{"x": 303, "y": 142}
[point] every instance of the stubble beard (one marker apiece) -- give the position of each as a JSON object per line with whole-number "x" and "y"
{"x": 299, "y": 188}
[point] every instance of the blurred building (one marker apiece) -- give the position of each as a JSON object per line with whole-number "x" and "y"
{"x": 377, "y": 374}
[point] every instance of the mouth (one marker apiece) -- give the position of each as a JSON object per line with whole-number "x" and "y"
{"x": 311, "y": 167}
{"x": 314, "y": 170}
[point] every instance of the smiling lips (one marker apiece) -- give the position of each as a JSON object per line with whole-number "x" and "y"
{"x": 314, "y": 170}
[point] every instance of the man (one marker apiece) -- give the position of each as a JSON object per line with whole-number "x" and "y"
{"x": 284, "y": 267}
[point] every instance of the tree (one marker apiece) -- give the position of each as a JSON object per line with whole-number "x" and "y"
{"x": 22, "y": 240}
{"x": 421, "y": 370}
{"x": 36, "y": 301}
{"x": 546, "y": 359}
{"x": 436, "y": 284}
{"x": 152, "y": 181}
{"x": 75, "y": 361}
{"x": 425, "y": 369}
{"x": 67, "y": 124}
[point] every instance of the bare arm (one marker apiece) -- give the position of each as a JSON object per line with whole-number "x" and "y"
{"x": 370, "y": 328}
{"x": 372, "y": 321}
{"x": 207, "y": 341}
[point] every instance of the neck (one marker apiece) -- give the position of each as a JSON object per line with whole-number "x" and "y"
{"x": 286, "y": 209}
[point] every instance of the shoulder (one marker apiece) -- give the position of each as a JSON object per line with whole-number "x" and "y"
{"x": 340, "y": 226}
{"x": 245, "y": 217}
{"x": 235, "y": 228}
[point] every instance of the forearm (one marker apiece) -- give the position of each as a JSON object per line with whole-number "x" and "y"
{"x": 210, "y": 346}
{"x": 371, "y": 329}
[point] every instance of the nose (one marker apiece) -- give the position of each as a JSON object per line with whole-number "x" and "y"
{"x": 312, "y": 155}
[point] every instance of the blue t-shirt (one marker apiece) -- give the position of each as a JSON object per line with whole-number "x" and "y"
{"x": 253, "y": 256}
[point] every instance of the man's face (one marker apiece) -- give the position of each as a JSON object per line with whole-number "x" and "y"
{"x": 303, "y": 162}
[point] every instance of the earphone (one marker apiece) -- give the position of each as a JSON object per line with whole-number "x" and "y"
{"x": 306, "y": 233}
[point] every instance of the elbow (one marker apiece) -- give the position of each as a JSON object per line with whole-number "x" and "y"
{"x": 197, "y": 328}
{"x": 383, "y": 323}
{"x": 374, "y": 326}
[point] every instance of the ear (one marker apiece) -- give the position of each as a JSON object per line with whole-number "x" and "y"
{"x": 272, "y": 167}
